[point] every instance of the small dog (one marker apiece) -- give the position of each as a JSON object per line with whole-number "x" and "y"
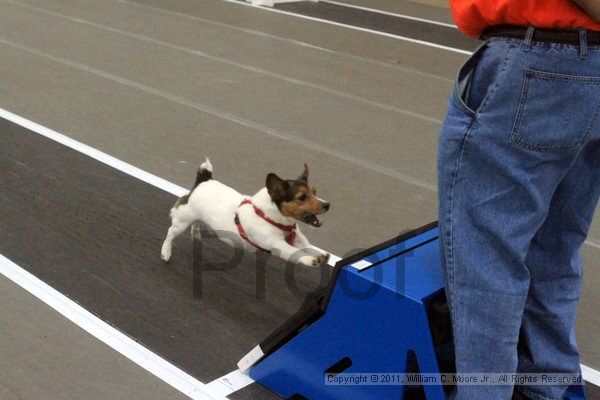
{"x": 266, "y": 221}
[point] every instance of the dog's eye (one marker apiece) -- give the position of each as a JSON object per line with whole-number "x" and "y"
{"x": 302, "y": 198}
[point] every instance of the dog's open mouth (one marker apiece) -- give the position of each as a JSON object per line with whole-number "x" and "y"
{"x": 312, "y": 219}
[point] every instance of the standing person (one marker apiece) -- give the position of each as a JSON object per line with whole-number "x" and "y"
{"x": 519, "y": 179}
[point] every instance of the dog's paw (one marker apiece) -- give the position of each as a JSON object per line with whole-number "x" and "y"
{"x": 322, "y": 259}
{"x": 309, "y": 261}
{"x": 314, "y": 261}
{"x": 165, "y": 254}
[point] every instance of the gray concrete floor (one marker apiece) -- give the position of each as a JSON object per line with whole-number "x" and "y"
{"x": 161, "y": 84}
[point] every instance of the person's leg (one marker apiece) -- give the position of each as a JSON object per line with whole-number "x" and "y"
{"x": 502, "y": 155}
{"x": 547, "y": 343}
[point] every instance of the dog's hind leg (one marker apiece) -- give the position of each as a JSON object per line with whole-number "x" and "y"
{"x": 180, "y": 222}
{"x": 195, "y": 231}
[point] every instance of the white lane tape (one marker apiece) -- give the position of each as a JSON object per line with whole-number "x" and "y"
{"x": 102, "y": 331}
{"x": 357, "y": 28}
{"x": 230, "y": 383}
{"x": 591, "y": 375}
{"x": 286, "y": 40}
{"x": 95, "y": 154}
{"x": 398, "y": 15}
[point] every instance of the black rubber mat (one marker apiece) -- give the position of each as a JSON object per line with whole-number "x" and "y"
{"x": 376, "y": 21}
{"x": 94, "y": 234}
{"x": 254, "y": 391}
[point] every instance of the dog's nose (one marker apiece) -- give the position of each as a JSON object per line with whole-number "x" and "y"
{"x": 326, "y": 206}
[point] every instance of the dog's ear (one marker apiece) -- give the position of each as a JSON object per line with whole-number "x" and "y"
{"x": 304, "y": 176}
{"x": 277, "y": 187}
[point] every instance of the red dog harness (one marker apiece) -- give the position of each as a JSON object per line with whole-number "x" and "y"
{"x": 286, "y": 228}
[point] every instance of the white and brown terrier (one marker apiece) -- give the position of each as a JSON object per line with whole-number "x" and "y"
{"x": 266, "y": 221}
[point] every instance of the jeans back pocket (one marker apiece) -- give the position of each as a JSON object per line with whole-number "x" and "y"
{"x": 556, "y": 112}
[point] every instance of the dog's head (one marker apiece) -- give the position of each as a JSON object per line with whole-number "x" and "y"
{"x": 296, "y": 199}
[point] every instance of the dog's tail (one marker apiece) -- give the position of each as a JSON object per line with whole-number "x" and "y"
{"x": 204, "y": 173}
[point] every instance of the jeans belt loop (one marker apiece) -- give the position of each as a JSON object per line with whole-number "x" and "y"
{"x": 528, "y": 39}
{"x": 583, "y": 44}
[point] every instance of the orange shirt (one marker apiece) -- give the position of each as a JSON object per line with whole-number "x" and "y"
{"x": 473, "y": 16}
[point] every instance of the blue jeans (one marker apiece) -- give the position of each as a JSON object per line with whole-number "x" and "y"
{"x": 519, "y": 180}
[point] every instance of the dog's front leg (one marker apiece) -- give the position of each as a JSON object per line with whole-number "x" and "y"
{"x": 301, "y": 241}
{"x": 290, "y": 253}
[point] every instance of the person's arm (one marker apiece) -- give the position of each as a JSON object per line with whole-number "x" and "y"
{"x": 591, "y": 6}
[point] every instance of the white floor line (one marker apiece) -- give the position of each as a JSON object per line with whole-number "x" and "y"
{"x": 329, "y": 151}
{"x": 102, "y": 331}
{"x": 222, "y": 60}
{"x": 230, "y": 383}
{"x": 403, "y": 16}
{"x": 592, "y": 243}
{"x": 591, "y": 375}
{"x": 95, "y": 154}
{"x": 284, "y": 39}
{"x": 357, "y": 28}
{"x": 154, "y": 362}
